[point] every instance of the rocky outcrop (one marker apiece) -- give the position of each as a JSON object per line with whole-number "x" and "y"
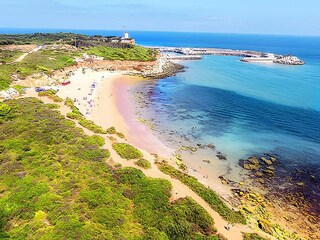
{"x": 288, "y": 60}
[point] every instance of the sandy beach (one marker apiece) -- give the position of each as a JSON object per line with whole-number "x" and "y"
{"x": 103, "y": 98}
{"x": 107, "y": 104}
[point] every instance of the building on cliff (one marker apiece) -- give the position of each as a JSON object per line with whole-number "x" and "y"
{"x": 126, "y": 39}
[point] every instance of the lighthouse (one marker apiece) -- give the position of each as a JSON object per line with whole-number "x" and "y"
{"x": 126, "y": 39}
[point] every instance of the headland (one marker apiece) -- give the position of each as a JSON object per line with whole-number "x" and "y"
{"x": 99, "y": 88}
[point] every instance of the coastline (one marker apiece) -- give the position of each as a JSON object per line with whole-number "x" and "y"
{"x": 113, "y": 106}
{"x": 107, "y": 111}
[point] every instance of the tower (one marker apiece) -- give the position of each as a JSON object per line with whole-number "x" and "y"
{"x": 126, "y": 35}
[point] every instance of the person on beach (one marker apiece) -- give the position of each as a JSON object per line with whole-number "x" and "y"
{"x": 228, "y": 226}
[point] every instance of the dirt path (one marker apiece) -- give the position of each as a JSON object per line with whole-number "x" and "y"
{"x": 19, "y": 59}
{"x": 179, "y": 190}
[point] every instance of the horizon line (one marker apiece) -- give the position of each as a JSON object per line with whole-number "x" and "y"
{"x": 164, "y": 31}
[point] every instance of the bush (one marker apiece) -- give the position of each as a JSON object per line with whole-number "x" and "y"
{"x": 52, "y": 106}
{"x": 50, "y": 94}
{"x": 204, "y": 192}
{"x": 127, "y": 151}
{"x": 143, "y": 163}
{"x": 132, "y": 53}
{"x": 98, "y": 140}
{"x": 111, "y": 130}
{"x": 4, "y": 109}
{"x": 73, "y": 115}
{"x": 20, "y": 89}
{"x": 90, "y": 125}
{"x": 252, "y": 236}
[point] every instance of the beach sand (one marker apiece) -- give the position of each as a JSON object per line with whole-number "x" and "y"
{"x": 103, "y": 98}
{"x": 107, "y": 104}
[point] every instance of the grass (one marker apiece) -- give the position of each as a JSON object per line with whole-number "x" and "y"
{"x": 77, "y": 115}
{"x": 6, "y": 71}
{"x": 143, "y": 163}
{"x": 50, "y": 94}
{"x": 43, "y": 61}
{"x": 132, "y": 53}
{"x": 55, "y": 184}
{"x": 204, "y": 192}
{"x": 127, "y": 151}
{"x": 252, "y": 236}
{"x": 90, "y": 125}
{"x": 8, "y": 56}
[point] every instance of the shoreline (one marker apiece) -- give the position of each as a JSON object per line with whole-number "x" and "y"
{"x": 112, "y": 106}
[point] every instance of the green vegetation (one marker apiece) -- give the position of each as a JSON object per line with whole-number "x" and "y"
{"x": 206, "y": 193}
{"x": 55, "y": 184}
{"x": 143, "y": 163}
{"x": 36, "y": 38}
{"x": 68, "y": 102}
{"x": 50, "y": 94}
{"x": 6, "y": 71}
{"x": 180, "y": 220}
{"x": 4, "y": 109}
{"x": 73, "y": 39}
{"x": 252, "y": 236}
{"x": 76, "y": 115}
{"x": 132, "y": 53}
{"x": 53, "y": 106}
{"x": 20, "y": 89}
{"x": 127, "y": 151}
{"x": 88, "y": 124}
{"x": 111, "y": 130}
{"x": 8, "y": 56}
{"x": 43, "y": 61}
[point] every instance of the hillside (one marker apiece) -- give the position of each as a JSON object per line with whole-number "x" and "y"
{"x": 55, "y": 184}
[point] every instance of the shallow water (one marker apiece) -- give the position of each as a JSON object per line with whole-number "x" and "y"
{"x": 243, "y": 109}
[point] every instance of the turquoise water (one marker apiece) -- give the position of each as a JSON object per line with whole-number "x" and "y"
{"x": 246, "y": 109}
{"x": 242, "y": 108}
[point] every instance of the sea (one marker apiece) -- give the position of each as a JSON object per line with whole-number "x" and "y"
{"x": 244, "y": 109}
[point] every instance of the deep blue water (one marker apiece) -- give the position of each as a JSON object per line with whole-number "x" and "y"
{"x": 242, "y": 108}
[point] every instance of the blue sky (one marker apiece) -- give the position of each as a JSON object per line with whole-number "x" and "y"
{"x": 298, "y": 17}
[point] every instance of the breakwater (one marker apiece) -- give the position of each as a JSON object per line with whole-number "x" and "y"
{"x": 247, "y": 55}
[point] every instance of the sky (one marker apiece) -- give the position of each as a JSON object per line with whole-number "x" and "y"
{"x": 294, "y": 17}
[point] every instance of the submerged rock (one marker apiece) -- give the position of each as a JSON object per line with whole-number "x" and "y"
{"x": 266, "y": 161}
{"x": 253, "y": 160}
{"x": 269, "y": 172}
{"x": 211, "y": 146}
{"x": 221, "y": 156}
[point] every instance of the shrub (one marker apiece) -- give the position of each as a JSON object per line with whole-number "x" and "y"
{"x": 252, "y": 236}
{"x": 73, "y": 115}
{"x": 20, "y": 89}
{"x": 91, "y": 126}
{"x": 120, "y": 135}
{"x": 50, "y": 94}
{"x": 127, "y": 151}
{"x": 111, "y": 130}
{"x": 98, "y": 140}
{"x": 132, "y": 53}
{"x": 52, "y": 106}
{"x": 143, "y": 163}
{"x": 4, "y": 109}
{"x": 204, "y": 192}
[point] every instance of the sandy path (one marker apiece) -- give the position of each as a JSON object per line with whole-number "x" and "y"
{"x": 105, "y": 113}
{"x": 19, "y": 59}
